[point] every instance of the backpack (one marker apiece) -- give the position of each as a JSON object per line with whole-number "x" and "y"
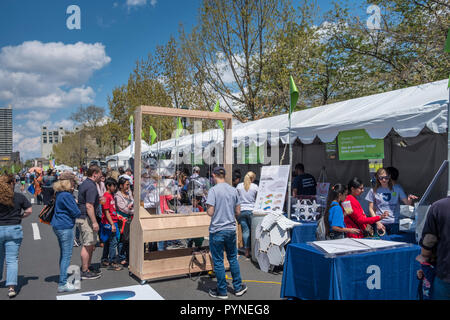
{"x": 321, "y": 231}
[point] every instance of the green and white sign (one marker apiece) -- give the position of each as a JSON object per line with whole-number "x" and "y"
{"x": 358, "y": 145}
{"x": 254, "y": 154}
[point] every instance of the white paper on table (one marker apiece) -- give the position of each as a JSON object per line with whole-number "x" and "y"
{"x": 350, "y": 245}
{"x": 378, "y": 244}
{"x": 340, "y": 246}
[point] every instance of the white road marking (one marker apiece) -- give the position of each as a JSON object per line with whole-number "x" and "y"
{"x": 36, "y": 234}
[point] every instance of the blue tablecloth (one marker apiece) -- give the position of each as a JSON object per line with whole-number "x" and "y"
{"x": 409, "y": 237}
{"x": 381, "y": 275}
{"x": 304, "y": 233}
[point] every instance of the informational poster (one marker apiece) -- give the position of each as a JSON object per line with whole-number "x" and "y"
{"x": 375, "y": 164}
{"x": 358, "y": 145}
{"x": 331, "y": 150}
{"x": 272, "y": 188}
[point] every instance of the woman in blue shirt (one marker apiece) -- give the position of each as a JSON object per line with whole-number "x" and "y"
{"x": 334, "y": 217}
{"x": 66, "y": 211}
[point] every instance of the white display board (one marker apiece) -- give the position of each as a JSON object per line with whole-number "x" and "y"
{"x": 272, "y": 188}
{"x": 138, "y": 292}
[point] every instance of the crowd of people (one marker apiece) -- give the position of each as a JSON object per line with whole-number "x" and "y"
{"x": 99, "y": 215}
{"x": 384, "y": 200}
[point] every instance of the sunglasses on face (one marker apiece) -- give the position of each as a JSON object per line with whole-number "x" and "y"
{"x": 384, "y": 178}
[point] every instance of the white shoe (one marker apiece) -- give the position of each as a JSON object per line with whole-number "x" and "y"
{"x": 67, "y": 288}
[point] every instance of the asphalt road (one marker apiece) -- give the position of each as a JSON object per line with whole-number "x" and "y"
{"x": 39, "y": 273}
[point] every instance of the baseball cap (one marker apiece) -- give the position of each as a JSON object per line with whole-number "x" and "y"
{"x": 219, "y": 170}
{"x": 195, "y": 169}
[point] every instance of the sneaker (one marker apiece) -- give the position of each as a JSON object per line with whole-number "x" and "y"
{"x": 242, "y": 291}
{"x": 215, "y": 294}
{"x": 12, "y": 293}
{"x": 88, "y": 275}
{"x": 115, "y": 267}
{"x": 67, "y": 288}
{"x": 95, "y": 271}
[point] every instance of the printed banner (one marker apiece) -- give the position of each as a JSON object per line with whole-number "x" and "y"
{"x": 358, "y": 145}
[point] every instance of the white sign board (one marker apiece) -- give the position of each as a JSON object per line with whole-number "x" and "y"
{"x": 137, "y": 292}
{"x": 272, "y": 188}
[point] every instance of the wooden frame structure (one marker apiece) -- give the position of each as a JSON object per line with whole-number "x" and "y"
{"x": 147, "y": 227}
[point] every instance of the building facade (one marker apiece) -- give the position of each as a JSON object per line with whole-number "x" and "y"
{"x": 49, "y": 138}
{"x": 6, "y": 133}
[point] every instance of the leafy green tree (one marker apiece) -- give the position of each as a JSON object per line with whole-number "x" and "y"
{"x": 408, "y": 46}
{"x": 228, "y": 47}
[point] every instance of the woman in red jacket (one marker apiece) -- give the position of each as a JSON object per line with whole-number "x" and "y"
{"x": 357, "y": 218}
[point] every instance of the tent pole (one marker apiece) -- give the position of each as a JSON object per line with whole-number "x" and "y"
{"x": 290, "y": 171}
{"x": 448, "y": 142}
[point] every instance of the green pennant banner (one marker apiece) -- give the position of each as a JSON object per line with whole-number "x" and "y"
{"x": 179, "y": 128}
{"x": 294, "y": 95}
{"x": 217, "y": 109}
{"x": 153, "y": 135}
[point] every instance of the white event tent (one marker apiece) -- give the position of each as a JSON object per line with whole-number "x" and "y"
{"x": 416, "y": 115}
{"x": 124, "y": 156}
{"x": 408, "y": 111}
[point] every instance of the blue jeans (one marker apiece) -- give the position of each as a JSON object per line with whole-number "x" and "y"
{"x": 245, "y": 219}
{"x": 441, "y": 290}
{"x": 123, "y": 250}
{"x": 65, "y": 240}
{"x": 110, "y": 249}
{"x": 10, "y": 241}
{"x": 219, "y": 242}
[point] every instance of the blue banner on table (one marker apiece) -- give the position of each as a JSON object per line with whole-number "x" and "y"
{"x": 381, "y": 275}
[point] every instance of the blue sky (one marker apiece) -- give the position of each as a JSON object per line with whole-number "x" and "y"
{"x": 47, "y": 70}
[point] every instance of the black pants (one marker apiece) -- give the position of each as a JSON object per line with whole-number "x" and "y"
{"x": 39, "y": 199}
{"x": 47, "y": 194}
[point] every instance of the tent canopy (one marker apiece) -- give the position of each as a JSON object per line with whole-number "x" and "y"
{"x": 126, "y": 154}
{"x": 408, "y": 111}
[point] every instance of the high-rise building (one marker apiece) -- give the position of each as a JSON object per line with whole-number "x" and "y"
{"x": 6, "y": 133}
{"x": 49, "y": 138}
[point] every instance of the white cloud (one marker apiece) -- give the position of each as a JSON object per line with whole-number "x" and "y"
{"x": 136, "y": 3}
{"x": 29, "y": 147}
{"x": 27, "y": 137}
{"x": 140, "y": 3}
{"x": 49, "y": 75}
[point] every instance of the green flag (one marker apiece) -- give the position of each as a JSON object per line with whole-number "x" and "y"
{"x": 179, "y": 127}
{"x": 217, "y": 109}
{"x": 142, "y": 135}
{"x": 153, "y": 135}
{"x": 447, "y": 43}
{"x": 294, "y": 95}
{"x": 131, "y": 136}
